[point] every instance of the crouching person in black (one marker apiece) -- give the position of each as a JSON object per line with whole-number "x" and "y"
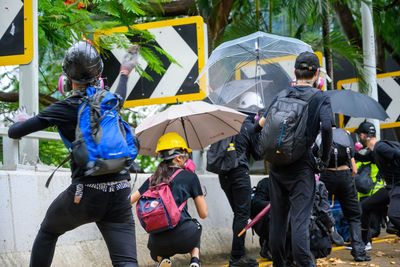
{"x": 259, "y": 201}
{"x": 322, "y": 230}
{"x": 387, "y": 158}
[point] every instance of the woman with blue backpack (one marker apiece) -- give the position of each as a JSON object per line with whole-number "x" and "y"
{"x": 161, "y": 203}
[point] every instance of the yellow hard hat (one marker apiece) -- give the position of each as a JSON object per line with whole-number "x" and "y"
{"x": 170, "y": 141}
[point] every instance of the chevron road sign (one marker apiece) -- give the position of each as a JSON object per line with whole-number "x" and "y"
{"x": 184, "y": 40}
{"x": 388, "y": 96}
{"x": 284, "y": 64}
{"x": 16, "y": 32}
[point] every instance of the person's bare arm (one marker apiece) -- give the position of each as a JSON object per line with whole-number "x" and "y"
{"x": 201, "y": 206}
{"x": 135, "y": 197}
{"x": 353, "y": 166}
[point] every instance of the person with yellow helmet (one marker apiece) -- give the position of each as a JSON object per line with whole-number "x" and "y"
{"x": 185, "y": 237}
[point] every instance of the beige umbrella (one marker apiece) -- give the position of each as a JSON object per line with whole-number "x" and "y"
{"x": 198, "y": 122}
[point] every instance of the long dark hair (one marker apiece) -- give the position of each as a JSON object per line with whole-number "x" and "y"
{"x": 161, "y": 173}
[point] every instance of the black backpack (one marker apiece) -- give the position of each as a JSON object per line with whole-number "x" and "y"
{"x": 222, "y": 156}
{"x": 363, "y": 179}
{"x": 341, "y": 146}
{"x": 283, "y": 139}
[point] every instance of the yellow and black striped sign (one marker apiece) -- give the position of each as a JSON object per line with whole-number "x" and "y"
{"x": 184, "y": 39}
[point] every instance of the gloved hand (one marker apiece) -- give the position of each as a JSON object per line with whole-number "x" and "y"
{"x": 19, "y": 115}
{"x": 130, "y": 59}
{"x": 321, "y": 165}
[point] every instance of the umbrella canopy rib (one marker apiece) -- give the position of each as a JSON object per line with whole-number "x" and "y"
{"x": 221, "y": 121}
{"x": 197, "y": 136}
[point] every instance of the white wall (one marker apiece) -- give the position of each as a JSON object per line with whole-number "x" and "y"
{"x": 24, "y": 201}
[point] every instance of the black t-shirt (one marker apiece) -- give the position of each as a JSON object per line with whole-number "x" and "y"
{"x": 185, "y": 185}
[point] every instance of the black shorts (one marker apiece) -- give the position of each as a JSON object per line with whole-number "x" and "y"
{"x": 180, "y": 240}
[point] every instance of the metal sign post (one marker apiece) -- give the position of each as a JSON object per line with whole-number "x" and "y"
{"x": 368, "y": 41}
{"x": 29, "y": 93}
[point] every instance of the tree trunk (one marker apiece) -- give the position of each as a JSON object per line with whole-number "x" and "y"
{"x": 380, "y": 55}
{"x": 174, "y": 8}
{"x": 14, "y": 97}
{"x": 218, "y": 22}
{"x": 347, "y": 22}
{"x": 326, "y": 42}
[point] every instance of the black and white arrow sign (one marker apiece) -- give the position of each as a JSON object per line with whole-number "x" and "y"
{"x": 16, "y": 32}
{"x": 388, "y": 96}
{"x": 180, "y": 42}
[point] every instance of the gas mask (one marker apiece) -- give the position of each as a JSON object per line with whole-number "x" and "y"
{"x": 360, "y": 142}
{"x": 190, "y": 166}
{"x": 319, "y": 83}
{"x": 65, "y": 84}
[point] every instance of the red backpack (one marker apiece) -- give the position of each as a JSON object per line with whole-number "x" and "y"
{"x": 156, "y": 208}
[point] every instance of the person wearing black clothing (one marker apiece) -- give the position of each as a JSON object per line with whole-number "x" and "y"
{"x": 259, "y": 201}
{"x": 101, "y": 199}
{"x": 237, "y": 187}
{"x": 292, "y": 186}
{"x": 338, "y": 178}
{"x": 387, "y": 157}
{"x": 184, "y": 237}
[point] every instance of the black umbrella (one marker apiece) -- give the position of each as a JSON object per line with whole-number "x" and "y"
{"x": 353, "y": 104}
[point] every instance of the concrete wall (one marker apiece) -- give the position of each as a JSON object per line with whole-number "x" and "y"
{"x": 24, "y": 201}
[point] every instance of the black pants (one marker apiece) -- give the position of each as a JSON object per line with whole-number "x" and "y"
{"x": 237, "y": 187}
{"x": 394, "y": 206}
{"x": 341, "y": 184}
{"x": 292, "y": 196}
{"x": 371, "y": 205}
{"x": 112, "y": 213}
{"x": 180, "y": 240}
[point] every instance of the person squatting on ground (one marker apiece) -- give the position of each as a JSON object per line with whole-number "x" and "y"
{"x": 338, "y": 179}
{"x": 374, "y": 203}
{"x": 259, "y": 201}
{"x": 292, "y": 186}
{"x": 185, "y": 237}
{"x": 237, "y": 187}
{"x": 110, "y": 210}
{"x": 387, "y": 157}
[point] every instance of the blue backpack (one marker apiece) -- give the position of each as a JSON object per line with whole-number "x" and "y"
{"x": 103, "y": 142}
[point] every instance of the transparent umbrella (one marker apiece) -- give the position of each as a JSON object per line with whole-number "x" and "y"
{"x": 257, "y": 57}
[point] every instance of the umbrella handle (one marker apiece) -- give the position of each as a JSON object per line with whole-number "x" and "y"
{"x": 242, "y": 232}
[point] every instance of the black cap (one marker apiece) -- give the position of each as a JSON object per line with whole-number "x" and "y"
{"x": 307, "y": 61}
{"x": 367, "y": 128}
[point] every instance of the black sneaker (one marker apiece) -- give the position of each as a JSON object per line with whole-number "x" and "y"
{"x": 265, "y": 252}
{"x": 195, "y": 262}
{"x": 243, "y": 261}
{"x": 391, "y": 229}
{"x": 361, "y": 256}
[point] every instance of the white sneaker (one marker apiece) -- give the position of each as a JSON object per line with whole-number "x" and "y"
{"x": 165, "y": 263}
{"x": 348, "y": 246}
{"x": 368, "y": 246}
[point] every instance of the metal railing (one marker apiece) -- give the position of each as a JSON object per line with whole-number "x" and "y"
{"x": 10, "y": 146}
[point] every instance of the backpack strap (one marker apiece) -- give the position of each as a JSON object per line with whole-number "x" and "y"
{"x": 52, "y": 174}
{"x": 175, "y": 174}
{"x": 170, "y": 179}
